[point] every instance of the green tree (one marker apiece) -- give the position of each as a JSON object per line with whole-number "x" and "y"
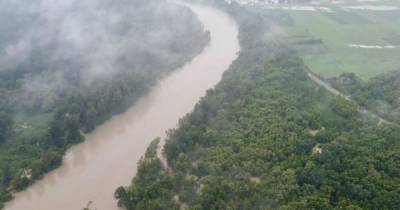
{"x": 6, "y": 125}
{"x": 124, "y": 198}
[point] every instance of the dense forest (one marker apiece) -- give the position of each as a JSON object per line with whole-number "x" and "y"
{"x": 381, "y": 94}
{"x": 267, "y": 137}
{"x": 97, "y": 58}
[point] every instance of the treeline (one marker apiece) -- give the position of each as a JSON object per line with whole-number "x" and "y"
{"x": 381, "y": 94}
{"x": 6, "y": 120}
{"x": 267, "y": 137}
{"x": 60, "y": 99}
{"x": 153, "y": 187}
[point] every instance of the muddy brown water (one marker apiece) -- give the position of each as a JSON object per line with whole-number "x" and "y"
{"x": 91, "y": 171}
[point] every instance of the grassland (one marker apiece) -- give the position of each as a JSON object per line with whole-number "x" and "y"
{"x": 323, "y": 38}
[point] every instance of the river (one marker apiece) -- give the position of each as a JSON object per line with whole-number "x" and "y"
{"x": 91, "y": 171}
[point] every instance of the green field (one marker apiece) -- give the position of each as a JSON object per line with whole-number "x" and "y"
{"x": 323, "y": 39}
{"x": 27, "y": 128}
{"x": 26, "y": 125}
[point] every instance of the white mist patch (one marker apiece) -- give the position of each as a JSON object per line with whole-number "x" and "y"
{"x": 312, "y": 6}
{"x": 337, "y": 2}
{"x": 372, "y": 8}
{"x": 14, "y": 54}
{"x": 372, "y": 46}
{"x": 368, "y": 1}
{"x": 54, "y": 47}
{"x": 315, "y": 3}
{"x": 302, "y": 8}
{"x": 308, "y": 8}
{"x": 244, "y": 2}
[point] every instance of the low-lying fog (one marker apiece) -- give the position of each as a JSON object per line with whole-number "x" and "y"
{"x": 48, "y": 45}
